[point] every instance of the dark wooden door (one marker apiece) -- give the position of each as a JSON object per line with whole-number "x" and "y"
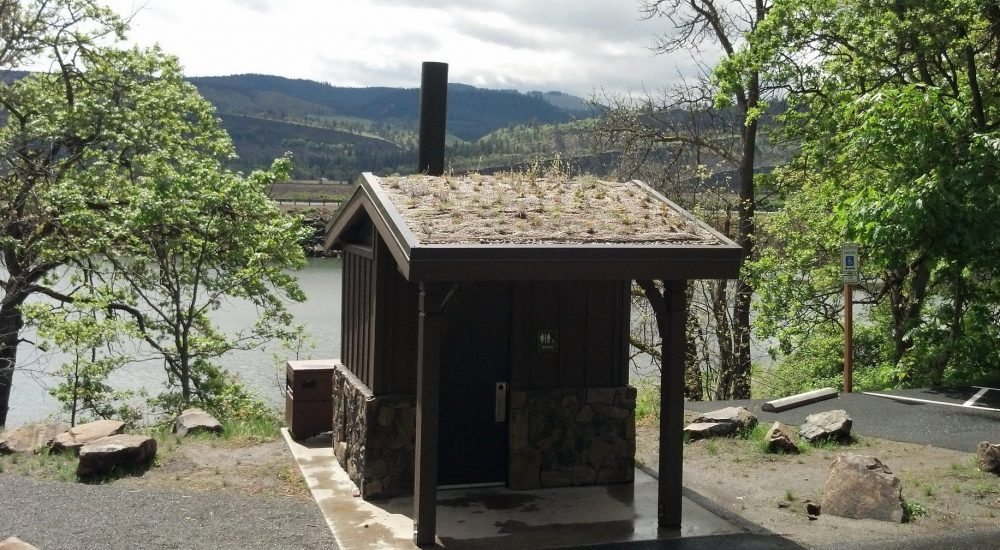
{"x": 475, "y": 357}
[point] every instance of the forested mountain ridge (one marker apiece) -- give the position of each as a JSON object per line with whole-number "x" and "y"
{"x": 335, "y": 132}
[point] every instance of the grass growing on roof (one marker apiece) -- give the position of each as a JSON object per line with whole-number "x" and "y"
{"x": 534, "y": 207}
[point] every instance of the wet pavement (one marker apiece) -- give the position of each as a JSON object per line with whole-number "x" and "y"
{"x": 615, "y": 516}
{"x": 621, "y": 517}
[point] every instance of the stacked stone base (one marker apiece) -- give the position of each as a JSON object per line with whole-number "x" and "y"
{"x": 373, "y": 437}
{"x": 558, "y": 437}
{"x": 572, "y": 436}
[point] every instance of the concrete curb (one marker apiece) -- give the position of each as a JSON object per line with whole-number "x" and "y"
{"x": 799, "y": 400}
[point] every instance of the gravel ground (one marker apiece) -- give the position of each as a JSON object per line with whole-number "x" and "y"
{"x": 53, "y": 515}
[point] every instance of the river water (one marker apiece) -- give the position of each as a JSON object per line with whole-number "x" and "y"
{"x": 259, "y": 369}
{"x": 262, "y": 369}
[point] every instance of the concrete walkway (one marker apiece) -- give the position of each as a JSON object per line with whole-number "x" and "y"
{"x": 498, "y": 518}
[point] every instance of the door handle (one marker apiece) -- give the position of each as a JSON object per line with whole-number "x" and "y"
{"x": 500, "y": 407}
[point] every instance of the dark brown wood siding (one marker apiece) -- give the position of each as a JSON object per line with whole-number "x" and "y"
{"x": 395, "y": 329}
{"x": 590, "y": 319}
{"x": 591, "y": 323}
{"x": 358, "y": 313}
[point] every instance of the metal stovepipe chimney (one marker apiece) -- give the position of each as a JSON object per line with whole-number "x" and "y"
{"x": 433, "y": 107}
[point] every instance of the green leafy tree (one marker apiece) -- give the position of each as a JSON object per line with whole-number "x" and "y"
{"x": 671, "y": 140}
{"x": 45, "y": 210}
{"x": 88, "y": 336}
{"x": 112, "y": 165}
{"x": 194, "y": 234}
{"x": 896, "y": 104}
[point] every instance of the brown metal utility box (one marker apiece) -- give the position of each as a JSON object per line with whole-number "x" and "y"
{"x": 309, "y": 397}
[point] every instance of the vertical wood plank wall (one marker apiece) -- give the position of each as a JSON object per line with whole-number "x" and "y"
{"x": 396, "y": 328}
{"x": 592, "y": 319}
{"x": 379, "y": 320}
{"x": 358, "y": 312}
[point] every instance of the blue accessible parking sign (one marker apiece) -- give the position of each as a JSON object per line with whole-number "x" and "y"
{"x": 849, "y": 263}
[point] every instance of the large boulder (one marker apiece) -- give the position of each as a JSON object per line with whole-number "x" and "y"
{"x": 829, "y": 425}
{"x": 779, "y": 439}
{"x": 30, "y": 437}
{"x": 195, "y": 420}
{"x": 862, "y": 487}
{"x": 988, "y": 457}
{"x": 116, "y": 452}
{"x": 14, "y": 543}
{"x": 721, "y": 422}
{"x": 80, "y": 435}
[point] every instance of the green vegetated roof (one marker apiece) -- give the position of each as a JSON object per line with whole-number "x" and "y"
{"x": 523, "y": 208}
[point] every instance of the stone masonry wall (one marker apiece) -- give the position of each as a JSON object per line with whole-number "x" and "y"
{"x": 572, "y": 436}
{"x": 373, "y": 437}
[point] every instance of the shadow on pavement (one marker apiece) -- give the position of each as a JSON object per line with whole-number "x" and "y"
{"x": 729, "y": 542}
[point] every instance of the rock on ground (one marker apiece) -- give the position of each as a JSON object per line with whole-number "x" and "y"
{"x": 721, "y": 422}
{"x": 80, "y": 435}
{"x": 14, "y": 543}
{"x": 116, "y": 451}
{"x": 704, "y": 430}
{"x": 834, "y": 425}
{"x": 30, "y": 437}
{"x": 988, "y": 457}
{"x": 740, "y": 417}
{"x": 862, "y": 487}
{"x": 779, "y": 439}
{"x": 195, "y": 420}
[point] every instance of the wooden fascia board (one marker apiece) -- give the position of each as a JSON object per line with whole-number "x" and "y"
{"x": 691, "y": 218}
{"x": 386, "y": 220}
{"x": 456, "y": 269}
{"x": 391, "y": 220}
{"x": 341, "y": 219}
{"x": 574, "y": 262}
{"x": 581, "y": 251}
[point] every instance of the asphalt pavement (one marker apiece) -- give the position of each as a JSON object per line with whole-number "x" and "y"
{"x": 977, "y": 397}
{"x": 945, "y": 424}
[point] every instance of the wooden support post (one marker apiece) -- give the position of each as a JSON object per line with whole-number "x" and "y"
{"x": 672, "y": 408}
{"x": 430, "y": 331}
{"x": 848, "y": 338}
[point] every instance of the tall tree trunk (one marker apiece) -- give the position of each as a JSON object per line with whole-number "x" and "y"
{"x": 940, "y": 362}
{"x": 907, "y": 307}
{"x": 745, "y": 239}
{"x": 693, "y": 388}
{"x": 724, "y": 337}
{"x": 11, "y": 321}
{"x": 185, "y": 380}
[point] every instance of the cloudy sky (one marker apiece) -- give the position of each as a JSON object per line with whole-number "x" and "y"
{"x": 575, "y": 46}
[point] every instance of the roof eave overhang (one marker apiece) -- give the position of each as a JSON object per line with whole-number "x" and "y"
{"x": 562, "y": 262}
{"x": 370, "y": 198}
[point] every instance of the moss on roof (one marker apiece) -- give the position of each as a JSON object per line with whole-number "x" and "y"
{"x": 522, "y": 208}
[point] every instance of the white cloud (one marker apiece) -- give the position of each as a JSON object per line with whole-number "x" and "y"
{"x": 575, "y": 46}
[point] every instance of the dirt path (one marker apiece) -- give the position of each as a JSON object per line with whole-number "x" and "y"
{"x": 264, "y": 469}
{"x": 738, "y": 476}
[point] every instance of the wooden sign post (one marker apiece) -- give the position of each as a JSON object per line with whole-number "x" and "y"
{"x": 849, "y": 271}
